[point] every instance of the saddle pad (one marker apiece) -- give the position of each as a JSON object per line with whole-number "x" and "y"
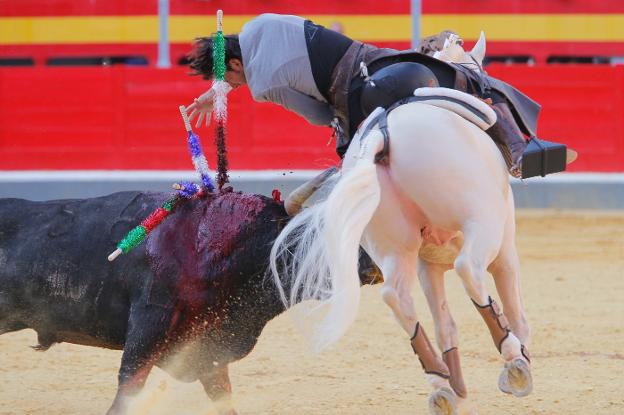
{"x": 468, "y": 107}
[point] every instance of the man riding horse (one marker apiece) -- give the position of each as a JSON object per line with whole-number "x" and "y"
{"x": 332, "y": 80}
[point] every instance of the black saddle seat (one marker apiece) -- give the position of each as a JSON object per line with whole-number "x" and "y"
{"x": 393, "y": 83}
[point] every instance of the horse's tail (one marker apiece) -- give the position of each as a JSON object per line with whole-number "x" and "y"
{"x": 317, "y": 252}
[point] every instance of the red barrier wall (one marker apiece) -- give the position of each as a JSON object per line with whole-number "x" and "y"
{"x": 582, "y": 106}
{"x": 126, "y": 118}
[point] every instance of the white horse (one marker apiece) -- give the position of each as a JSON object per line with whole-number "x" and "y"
{"x": 444, "y": 180}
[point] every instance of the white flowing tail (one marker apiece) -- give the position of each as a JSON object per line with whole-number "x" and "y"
{"x": 317, "y": 252}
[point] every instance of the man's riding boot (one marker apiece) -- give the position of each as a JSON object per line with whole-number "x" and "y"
{"x": 508, "y": 137}
{"x": 526, "y": 159}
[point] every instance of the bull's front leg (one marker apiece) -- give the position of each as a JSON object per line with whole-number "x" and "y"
{"x": 218, "y": 388}
{"x": 147, "y": 328}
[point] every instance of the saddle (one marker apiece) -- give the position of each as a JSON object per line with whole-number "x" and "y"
{"x": 466, "y": 106}
{"x": 395, "y": 81}
{"x": 455, "y": 76}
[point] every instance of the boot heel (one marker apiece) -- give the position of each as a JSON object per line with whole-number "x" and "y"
{"x": 543, "y": 157}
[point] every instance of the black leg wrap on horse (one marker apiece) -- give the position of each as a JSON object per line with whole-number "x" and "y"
{"x": 495, "y": 320}
{"x": 451, "y": 358}
{"x": 429, "y": 360}
{"x": 525, "y": 353}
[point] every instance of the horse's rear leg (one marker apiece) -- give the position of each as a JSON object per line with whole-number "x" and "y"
{"x": 482, "y": 242}
{"x": 506, "y": 271}
{"x": 399, "y": 275}
{"x": 431, "y": 278}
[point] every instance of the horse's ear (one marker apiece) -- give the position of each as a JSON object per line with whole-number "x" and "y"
{"x": 478, "y": 52}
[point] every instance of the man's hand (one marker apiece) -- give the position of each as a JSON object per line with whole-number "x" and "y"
{"x": 202, "y": 108}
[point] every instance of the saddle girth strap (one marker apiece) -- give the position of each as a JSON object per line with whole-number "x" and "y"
{"x": 382, "y": 156}
{"x": 451, "y": 358}
{"x": 380, "y": 120}
{"x": 495, "y": 320}
{"x": 430, "y": 361}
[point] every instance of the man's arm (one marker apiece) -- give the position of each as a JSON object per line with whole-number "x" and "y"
{"x": 314, "y": 111}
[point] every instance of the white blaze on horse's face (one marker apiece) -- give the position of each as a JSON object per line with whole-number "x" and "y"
{"x": 453, "y": 52}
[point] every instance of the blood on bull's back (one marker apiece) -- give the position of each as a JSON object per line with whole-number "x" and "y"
{"x": 210, "y": 264}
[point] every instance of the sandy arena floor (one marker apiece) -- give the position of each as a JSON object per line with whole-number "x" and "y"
{"x": 573, "y": 281}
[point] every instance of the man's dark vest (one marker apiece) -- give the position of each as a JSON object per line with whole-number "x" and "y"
{"x": 325, "y": 49}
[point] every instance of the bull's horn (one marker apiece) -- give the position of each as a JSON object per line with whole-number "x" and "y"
{"x": 297, "y": 197}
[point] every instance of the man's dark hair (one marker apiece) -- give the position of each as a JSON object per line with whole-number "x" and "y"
{"x": 200, "y": 58}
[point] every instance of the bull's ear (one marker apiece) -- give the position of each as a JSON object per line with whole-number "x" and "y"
{"x": 478, "y": 51}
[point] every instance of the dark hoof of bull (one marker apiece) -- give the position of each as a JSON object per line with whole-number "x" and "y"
{"x": 543, "y": 157}
{"x": 41, "y": 347}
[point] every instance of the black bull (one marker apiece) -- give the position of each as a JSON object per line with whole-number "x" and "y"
{"x": 198, "y": 283}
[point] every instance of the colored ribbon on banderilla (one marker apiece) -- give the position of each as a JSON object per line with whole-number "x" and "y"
{"x": 187, "y": 190}
{"x": 184, "y": 190}
{"x": 221, "y": 89}
{"x": 138, "y": 234}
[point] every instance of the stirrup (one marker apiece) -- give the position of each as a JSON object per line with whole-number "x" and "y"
{"x": 543, "y": 157}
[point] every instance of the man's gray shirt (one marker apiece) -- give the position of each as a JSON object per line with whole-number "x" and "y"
{"x": 277, "y": 66}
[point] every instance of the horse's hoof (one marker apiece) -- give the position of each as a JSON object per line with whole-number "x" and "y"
{"x": 516, "y": 378}
{"x": 442, "y": 402}
{"x": 503, "y": 382}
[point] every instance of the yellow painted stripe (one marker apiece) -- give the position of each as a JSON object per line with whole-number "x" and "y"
{"x": 144, "y": 29}
{"x": 532, "y": 27}
{"x": 363, "y": 27}
{"x": 83, "y": 29}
